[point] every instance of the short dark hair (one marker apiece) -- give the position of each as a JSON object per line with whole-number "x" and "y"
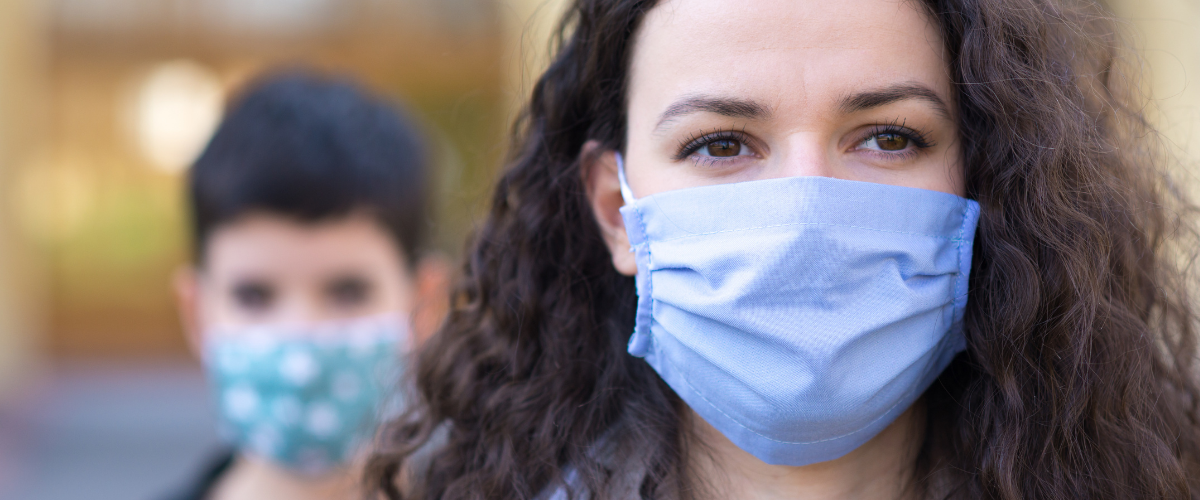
{"x": 312, "y": 148}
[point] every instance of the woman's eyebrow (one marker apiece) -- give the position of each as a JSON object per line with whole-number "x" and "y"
{"x": 727, "y": 106}
{"x": 890, "y": 94}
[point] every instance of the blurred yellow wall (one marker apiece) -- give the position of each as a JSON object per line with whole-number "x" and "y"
{"x": 22, "y": 120}
{"x": 1166, "y": 34}
{"x": 528, "y": 26}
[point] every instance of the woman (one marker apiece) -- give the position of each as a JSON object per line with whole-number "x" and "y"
{"x": 858, "y": 249}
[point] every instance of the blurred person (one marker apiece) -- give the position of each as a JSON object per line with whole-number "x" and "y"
{"x": 308, "y": 288}
{"x": 867, "y": 249}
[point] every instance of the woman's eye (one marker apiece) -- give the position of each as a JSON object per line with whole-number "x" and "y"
{"x": 253, "y": 296}
{"x": 723, "y": 148}
{"x": 709, "y": 147}
{"x": 887, "y": 141}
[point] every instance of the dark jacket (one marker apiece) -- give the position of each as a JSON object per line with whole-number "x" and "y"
{"x": 203, "y": 485}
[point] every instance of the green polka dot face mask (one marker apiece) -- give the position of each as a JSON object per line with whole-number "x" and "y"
{"x": 306, "y": 397}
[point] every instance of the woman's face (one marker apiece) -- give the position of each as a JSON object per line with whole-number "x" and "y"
{"x": 722, "y": 91}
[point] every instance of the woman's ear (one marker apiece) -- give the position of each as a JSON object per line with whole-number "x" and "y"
{"x": 599, "y": 170}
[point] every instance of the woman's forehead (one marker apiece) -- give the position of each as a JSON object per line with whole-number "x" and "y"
{"x": 784, "y": 52}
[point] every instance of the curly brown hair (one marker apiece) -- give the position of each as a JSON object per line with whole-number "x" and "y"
{"x": 1079, "y": 380}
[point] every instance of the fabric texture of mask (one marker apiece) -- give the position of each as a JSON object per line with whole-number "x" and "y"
{"x": 306, "y": 397}
{"x": 799, "y": 316}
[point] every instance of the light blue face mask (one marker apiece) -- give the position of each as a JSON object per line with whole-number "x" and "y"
{"x": 306, "y": 397}
{"x": 799, "y": 316}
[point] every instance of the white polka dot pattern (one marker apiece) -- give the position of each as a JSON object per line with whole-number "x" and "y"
{"x": 306, "y": 399}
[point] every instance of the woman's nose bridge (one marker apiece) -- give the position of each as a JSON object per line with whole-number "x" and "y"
{"x": 805, "y": 154}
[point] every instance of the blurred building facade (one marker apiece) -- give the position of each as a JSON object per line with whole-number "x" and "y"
{"x": 22, "y": 129}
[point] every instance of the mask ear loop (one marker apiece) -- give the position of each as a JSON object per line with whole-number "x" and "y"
{"x": 626, "y": 193}
{"x": 640, "y": 341}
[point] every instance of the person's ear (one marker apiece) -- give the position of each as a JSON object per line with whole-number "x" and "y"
{"x": 186, "y": 282}
{"x": 599, "y": 170}
{"x": 433, "y": 296}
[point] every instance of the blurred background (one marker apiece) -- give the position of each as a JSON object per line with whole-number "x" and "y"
{"x": 104, "y": 103}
